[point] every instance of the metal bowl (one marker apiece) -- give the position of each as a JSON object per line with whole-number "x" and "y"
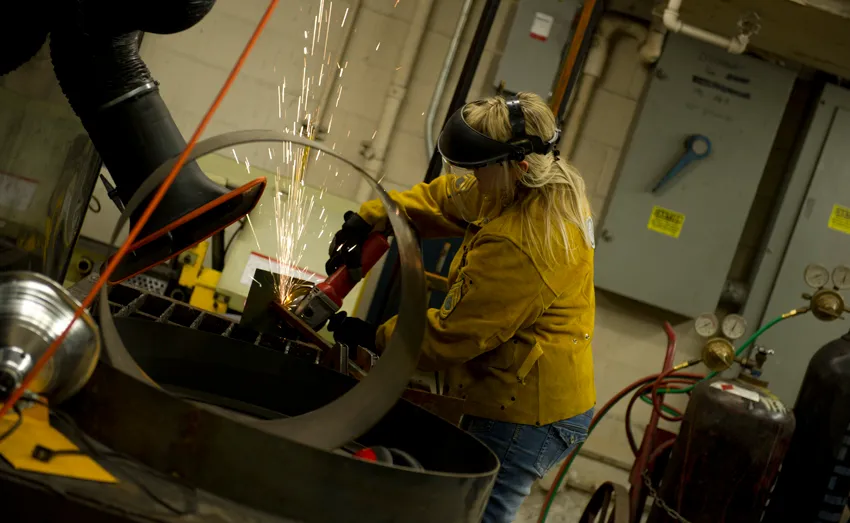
{"x": 34, "y": 310}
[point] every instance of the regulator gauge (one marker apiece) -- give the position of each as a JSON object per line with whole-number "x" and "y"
{"x": 706, "y": 325}
{"x": 734, "y": 326}
{"x": 841, "y": 277}
{"x": 816, "y": 276}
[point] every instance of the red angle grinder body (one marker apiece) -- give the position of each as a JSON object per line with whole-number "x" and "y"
{"x": 325, "y": 299}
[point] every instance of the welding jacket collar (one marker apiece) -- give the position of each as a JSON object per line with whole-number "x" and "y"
{"x": 463, "y": 146}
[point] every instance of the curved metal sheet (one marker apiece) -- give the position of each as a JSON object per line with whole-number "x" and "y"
{"x": 239, "y": 461}
{"x": 355, "y": 412}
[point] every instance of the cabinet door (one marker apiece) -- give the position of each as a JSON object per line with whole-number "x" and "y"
{"x": 680, "y": 261}
{"x": 817, "y": 238}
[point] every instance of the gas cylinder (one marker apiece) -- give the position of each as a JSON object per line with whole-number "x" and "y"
{"x": 733, "y": 437}
{"x": 815, "y": 478}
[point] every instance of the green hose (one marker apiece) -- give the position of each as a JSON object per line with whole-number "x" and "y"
{"x": 738, "y": 353}
{"x": 667, "y": 410}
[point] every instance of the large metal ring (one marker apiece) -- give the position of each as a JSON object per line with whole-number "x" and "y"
{"x": 354, "y": 413}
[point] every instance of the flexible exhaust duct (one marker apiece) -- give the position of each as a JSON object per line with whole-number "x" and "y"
{"x": 95, "y": 53}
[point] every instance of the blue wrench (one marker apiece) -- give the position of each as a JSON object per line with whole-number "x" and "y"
{"x": 697, "y": 147}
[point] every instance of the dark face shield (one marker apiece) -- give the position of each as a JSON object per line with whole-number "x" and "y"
{"x": 462, "y": 146}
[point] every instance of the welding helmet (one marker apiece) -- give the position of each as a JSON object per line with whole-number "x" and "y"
{"x": 462, "y": 146}
{"x": 482, "y": 196}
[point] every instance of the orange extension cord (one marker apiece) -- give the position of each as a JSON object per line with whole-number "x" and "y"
{"x": 157, "y": 198}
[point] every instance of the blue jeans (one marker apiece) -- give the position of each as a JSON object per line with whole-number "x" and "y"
{"x": 526, "y": 453}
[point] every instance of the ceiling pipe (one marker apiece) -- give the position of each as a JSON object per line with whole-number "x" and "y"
{"x": 734, "y": 45}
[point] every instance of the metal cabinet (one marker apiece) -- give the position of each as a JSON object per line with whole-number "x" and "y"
{"x": 532, "y": 55}
{"x": 673, "y": 248}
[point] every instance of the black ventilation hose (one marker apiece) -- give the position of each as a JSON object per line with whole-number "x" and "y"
{"x": 110, "y": 17}
{"x": 22, "y": 33}
{"x": 114, "y": 94}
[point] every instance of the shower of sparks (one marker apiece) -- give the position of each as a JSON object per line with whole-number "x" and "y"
{"x": 321, "y": 10}
{"x": 313, "y": 45}
{"x": 327, "y": 30}
{"x": 293, "y": 200}
{"x": 251, "y": 225}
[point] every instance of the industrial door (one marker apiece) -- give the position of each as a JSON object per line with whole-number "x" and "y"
{"x": 820, "y": 236}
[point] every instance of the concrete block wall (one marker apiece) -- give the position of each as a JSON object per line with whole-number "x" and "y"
{"x": 192, "y": 65}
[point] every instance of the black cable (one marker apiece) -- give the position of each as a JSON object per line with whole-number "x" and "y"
{"x": 99, "y": 206}
{"x": 218, "y": 251}
{"x": 192, "y": 498}
{"x": 235, "y": 234}
{"x": 16, "y": 426}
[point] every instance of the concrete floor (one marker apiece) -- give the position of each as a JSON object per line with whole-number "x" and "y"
{"x": 567, "y": 508}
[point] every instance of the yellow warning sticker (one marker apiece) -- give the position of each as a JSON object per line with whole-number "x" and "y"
{"x": 840, "y": 219}
{"x": 666, "y": 221}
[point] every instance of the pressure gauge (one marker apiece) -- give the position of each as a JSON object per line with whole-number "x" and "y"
{"x": 841, "y": 277}
{"x": 734, "y": 326}
{"x": 816, "y": 276}
{"x": 706, "y": 325}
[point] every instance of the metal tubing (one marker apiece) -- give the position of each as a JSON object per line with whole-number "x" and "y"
{"x": 434, "y": 104}
{"x": 467, "y": 74}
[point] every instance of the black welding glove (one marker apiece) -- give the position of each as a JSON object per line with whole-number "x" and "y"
{"x": 353, "y": 331}
{"x": 345, "y": 248}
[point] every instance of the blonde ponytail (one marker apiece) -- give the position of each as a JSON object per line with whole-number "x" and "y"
{"x": 552, "y": 184}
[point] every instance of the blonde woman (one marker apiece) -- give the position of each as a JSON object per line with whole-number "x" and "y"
{"x": 514, "y": 333}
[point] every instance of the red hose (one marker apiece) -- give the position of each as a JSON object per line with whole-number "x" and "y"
{"x": 669, "y": 383}
{"x": 599, "y": 414}
{"x": 649, "y": 436}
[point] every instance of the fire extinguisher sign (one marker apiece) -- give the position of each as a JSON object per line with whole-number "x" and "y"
{"x": 541, "y": 26}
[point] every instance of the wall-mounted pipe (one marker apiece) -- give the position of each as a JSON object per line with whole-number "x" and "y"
{"x": 467, "y": 75}
{"x": 376, "y": 151}
{"x": 443, "y": 79}
{"x": 610, "y": 27}
{"x": 735, "y": 45}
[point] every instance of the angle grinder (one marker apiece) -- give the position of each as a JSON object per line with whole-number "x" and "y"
{"x": 316, "y": 304}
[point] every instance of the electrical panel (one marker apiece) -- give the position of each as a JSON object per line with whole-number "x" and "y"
{"x": 820, "y": 235}
{"x": 532, "y": 57}
{"x": 688, "y": 176}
